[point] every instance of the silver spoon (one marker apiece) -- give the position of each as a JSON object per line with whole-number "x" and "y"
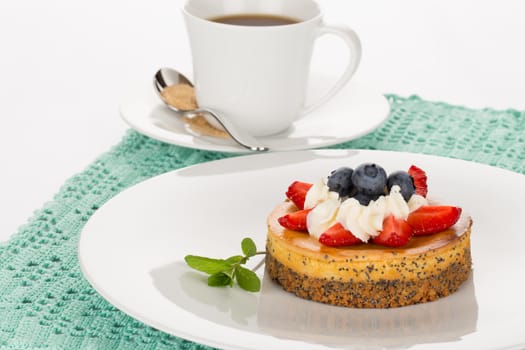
{"x": 167, "y": 76}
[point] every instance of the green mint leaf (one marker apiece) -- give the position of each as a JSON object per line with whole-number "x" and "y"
{"x": 223, "y": 272}
{"x": 219, "y": 279}
{"x": 248, "y": 247}
{"x": 207, "y": 265}
{"x": 236, "y": 259}
{"x": 247, "y": 279}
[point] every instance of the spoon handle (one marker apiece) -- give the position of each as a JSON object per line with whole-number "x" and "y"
{"x": 242, "y": 138}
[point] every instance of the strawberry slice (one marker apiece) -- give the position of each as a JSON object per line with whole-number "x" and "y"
{"x": 337, "y": 236}
{"x": 295, "y": 221}
{"x": 420, "y": 180}
{"x": 297, "y": 193}
{"x": 395, "y": 233}
{"x": 430, "y": 219}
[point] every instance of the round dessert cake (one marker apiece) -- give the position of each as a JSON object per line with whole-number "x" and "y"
{"x": 367, "y": 275}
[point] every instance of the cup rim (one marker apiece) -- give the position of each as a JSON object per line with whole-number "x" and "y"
{"x": 307, "y": 21}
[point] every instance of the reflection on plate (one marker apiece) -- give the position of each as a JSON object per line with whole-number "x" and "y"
{"x": 132, "y": 252}
{"x": 278, "y": 314}
{"x": 354, "y": 111}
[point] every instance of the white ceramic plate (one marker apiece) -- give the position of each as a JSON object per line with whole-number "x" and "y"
{"x": 132, "y": 251}
{"x": 353, "y": 112}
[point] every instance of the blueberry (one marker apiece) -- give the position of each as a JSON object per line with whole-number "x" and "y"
{"x": 404, "y": 181}
{"x": 369, "y": 179}
{"x": 340, "y": 181}
{"x": 364, "y": 199}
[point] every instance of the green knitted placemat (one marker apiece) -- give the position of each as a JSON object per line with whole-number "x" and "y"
{"x": 45, "y": 301}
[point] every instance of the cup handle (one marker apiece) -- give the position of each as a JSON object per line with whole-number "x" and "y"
{"x": 354, "y": 44}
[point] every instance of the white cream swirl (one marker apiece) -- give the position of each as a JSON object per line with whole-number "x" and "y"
{"x": 319, "y": 192}
{"x": 396, "y": 204}
{"x": 364, "y": 221}
{"x": 322, "y": 217}
{"x": 416, "y": 201}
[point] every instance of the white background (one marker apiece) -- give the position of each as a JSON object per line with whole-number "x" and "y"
{"x": 66, "y": 65}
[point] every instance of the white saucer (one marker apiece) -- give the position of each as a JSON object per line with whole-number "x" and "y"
{"x": 354, "y": 111}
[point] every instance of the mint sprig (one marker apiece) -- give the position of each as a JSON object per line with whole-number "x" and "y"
{"x": 223, "y": 272}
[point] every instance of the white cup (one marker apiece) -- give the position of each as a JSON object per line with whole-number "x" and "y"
{"x": 257, "y": 76}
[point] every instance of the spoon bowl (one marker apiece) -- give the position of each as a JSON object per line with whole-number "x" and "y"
{"x": 166, "y": 77}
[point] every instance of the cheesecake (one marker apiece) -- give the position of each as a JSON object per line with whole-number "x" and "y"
{"x": 419, "y": 260}
{"x": 368, "y": 275}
